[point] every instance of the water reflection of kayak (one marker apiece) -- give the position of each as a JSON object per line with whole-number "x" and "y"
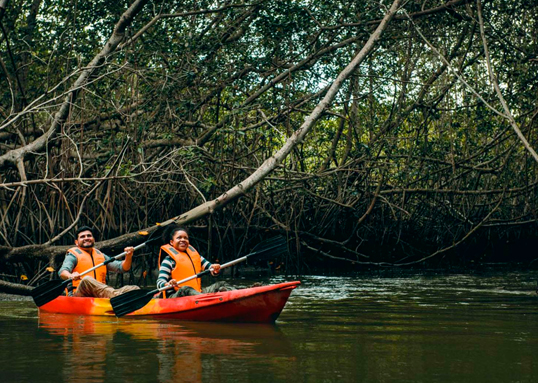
{"x": 256, "y": 304}
{"x": 147, "y": 329}
{"x": 208, "y": 338}
{"x": 157, "y": 350}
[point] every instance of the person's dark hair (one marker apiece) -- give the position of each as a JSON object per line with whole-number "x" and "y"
{"x": 169, "y": 232}
{"x": 81, "y": 229}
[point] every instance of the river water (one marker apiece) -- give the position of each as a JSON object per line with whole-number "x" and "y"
{"x": 480, "y": 327}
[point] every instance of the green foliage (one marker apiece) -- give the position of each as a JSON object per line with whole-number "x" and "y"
{"x": 206, "y": 97}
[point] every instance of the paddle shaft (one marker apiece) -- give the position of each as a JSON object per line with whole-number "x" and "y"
{"x": 111, "y": 260}
{"x": 228, "y": 264}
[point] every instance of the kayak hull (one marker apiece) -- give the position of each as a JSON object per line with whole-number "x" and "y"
{"x": 261, "y": 304}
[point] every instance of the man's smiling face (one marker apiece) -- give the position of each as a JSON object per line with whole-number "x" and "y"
{"x": 85, "y": 240}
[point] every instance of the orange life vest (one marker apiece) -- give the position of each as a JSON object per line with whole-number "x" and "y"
{"x": 86, "y": 261}
{"x": 188, "y": 264}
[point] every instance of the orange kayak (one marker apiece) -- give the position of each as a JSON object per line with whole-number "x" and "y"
{"x": 256, "y": 304}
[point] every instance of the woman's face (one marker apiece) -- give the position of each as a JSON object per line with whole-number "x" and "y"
{"x": 180, "y": 240}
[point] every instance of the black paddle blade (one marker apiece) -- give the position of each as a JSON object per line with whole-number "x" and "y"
{"x": 269, "y": 248}
{"x": 271, "y": 242}
{"x": 48, "y": 291}
{"x": 131, "y": 301}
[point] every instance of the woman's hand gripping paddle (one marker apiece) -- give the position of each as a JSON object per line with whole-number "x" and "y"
{"x": 136, "y": 299}
{"x": 51, "y": 290}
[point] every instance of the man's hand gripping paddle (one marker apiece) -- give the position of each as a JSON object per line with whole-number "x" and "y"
{"x": 51, "y": 290}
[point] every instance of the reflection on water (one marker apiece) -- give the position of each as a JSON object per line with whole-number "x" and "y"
{"x": 363, "y": 328}
{"x": 164, "y": 351}
{"x": 415, "y": 328}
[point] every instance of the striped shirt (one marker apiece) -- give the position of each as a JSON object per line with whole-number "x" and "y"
{"x": 168, "y": 264}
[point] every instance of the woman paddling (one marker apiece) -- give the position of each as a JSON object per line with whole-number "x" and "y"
{"x": 179, "y": 260}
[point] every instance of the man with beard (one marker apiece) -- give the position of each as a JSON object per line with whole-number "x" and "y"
{"x": 85, "y": 256}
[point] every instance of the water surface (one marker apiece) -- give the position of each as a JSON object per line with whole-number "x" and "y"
{"x": 361, "y": 328}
